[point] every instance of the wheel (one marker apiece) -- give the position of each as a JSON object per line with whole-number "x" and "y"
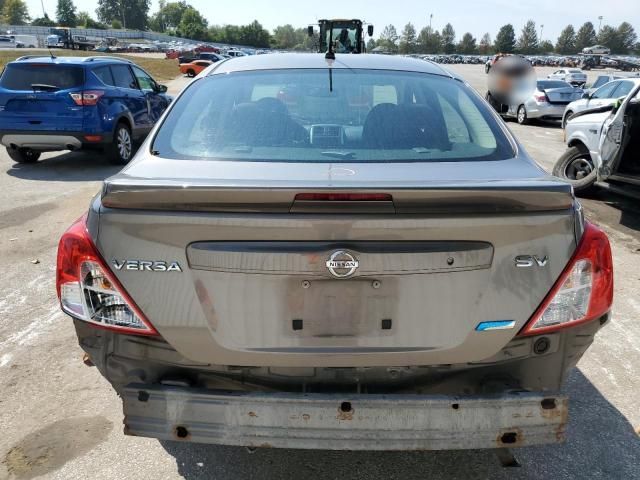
{"x": 191, "y": 73}
{"x": 522, "y": 115}
{"x": 122, "y": 149}
{"x": 565, "y": 118}
{"x": 576, "y": 167}
{"x": 23, "y": 155}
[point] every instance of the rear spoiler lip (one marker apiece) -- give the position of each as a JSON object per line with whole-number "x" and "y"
{"x": 487, "y": 197}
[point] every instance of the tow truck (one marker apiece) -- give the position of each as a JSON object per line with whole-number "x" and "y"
{"x": 62, "y": 37}
{"x": 331, "y": 32}
{"x": 595, "y": 60}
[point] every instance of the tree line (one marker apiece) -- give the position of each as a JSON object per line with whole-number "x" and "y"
{"x": 620, "y": 40}
{"x": 179, "y": 18}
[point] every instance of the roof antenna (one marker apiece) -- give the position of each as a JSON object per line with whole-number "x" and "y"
{"x": 51, "y": 53}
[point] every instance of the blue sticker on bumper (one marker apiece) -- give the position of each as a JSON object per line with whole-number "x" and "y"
{"x": 495, "y": 325}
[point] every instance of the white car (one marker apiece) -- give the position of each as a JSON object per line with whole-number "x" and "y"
{"x": 7, "y": 42}
{"x": 574, "y": 76}
{"x": 597, "y": 49}
{"x": 236, "y": 53}
{"x": 604, "y": 145}
{"x": 25, "y": 41}
{"x": 605, "y": 95}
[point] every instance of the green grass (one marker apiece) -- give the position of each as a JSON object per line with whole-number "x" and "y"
{"x": 160, "y": 68}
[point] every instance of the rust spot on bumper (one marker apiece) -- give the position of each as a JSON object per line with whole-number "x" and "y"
{"x": 512, "y": 437}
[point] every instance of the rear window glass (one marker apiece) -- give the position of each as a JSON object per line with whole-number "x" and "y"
{"x": 544, "y": 84}
{"x": 315, "y": 116}
{"x": 21, "y": 77}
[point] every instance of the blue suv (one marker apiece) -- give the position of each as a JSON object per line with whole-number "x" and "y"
{"x": 72, "y": 103}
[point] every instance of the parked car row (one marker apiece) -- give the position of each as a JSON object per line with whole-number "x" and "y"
{"x": 73, "y": 103}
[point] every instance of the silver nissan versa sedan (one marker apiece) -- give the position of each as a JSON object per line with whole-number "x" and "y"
{"x": 336, "y": 254}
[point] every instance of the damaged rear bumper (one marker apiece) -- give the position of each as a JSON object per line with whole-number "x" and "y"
{"x": 344, "y": 422}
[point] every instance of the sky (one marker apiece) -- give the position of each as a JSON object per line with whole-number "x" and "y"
{"x": 464, "y": 15}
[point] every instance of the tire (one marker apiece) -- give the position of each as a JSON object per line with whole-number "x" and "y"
{"x": 191, "y": 73}
{"x": 565, "y": 118}
{"x": 521, "y": 115}
{"x": 23, "y": 155}
{"x": 122, "y": 149}
{"x": 576, "y": 167}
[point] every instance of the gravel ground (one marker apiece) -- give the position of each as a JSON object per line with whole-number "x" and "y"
{"x": 59, "y": 419}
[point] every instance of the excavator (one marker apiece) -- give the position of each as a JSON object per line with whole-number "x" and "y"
{"x": 341, "y": 36}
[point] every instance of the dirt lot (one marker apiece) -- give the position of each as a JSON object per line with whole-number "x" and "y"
{"x": 60, "y": 419}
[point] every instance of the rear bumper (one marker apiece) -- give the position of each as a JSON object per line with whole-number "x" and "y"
{"x": 51, "y": 141}
{"x": 344, "y": 422}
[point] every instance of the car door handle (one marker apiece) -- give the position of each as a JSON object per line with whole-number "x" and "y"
{"x": 593, "y": 130}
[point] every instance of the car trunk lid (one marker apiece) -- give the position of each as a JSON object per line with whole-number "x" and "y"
{"x": 563, "y": 95}
{"x": 277, "y": 286}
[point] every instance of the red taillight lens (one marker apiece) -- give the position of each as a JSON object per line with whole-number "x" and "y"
{"x": 584, "y": 290}
{"x": 89, "y": 291}
{"x": 87, "y": 98}
{"x": 344, "y": 197}
{"x": 541, "y": 98}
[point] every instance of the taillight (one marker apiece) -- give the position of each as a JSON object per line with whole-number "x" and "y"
{"x": 87, "y": 98}
{"x": 541, "y": 98}
{"x": 89, "y": 291}
{"x": 584, "y": 291}
{"x": 343, "y": 197}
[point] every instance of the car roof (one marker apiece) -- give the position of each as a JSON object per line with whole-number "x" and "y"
{"x": 82, "y": 61}
{"x": 634, "y": 80}
{"x": 279, "y": 61}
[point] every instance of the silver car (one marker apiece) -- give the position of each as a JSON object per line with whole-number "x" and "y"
{"x": 350, "y": 253}
{"x": 548, "y": 102}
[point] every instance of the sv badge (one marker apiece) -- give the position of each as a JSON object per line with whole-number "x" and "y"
{"x": 526, "y": 261}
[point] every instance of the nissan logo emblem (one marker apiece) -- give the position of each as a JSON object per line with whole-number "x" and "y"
{"x": 342, "y": 264}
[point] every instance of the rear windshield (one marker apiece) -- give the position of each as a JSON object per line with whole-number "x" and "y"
{"x": 546, "y": 84}
{"x": 23, "y": 76}
{"x": 342, "y": 116}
